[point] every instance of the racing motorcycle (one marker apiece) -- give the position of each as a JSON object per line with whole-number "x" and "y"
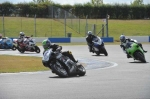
{"x": 135, "y": 51}
{"x": 7, "y": 43}
{"x": 28, "y": 44}
{"x": 98, "y": 46}
{"x": 62, "y": 65}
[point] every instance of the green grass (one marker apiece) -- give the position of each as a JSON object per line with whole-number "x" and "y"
{"x": 55, "y": 28}
{"x": 11, "y": 64}
{"x": 129, "y": 28}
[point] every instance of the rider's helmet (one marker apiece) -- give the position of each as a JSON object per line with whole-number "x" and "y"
{"x": 1, "y": 36}
{"x": 89, "y": 33}
{"x": 122, "y": 38}
{"x": 22, "y": 34}
{"x": 46, "y": 44}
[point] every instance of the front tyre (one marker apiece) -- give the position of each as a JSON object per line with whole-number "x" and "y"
{"x": 21, "y": 50}
{"x": 104, "y": 51}
{"x": 37, "y": 49}
{"x": 59, "y": 70}
{"x": 81, "y": 70}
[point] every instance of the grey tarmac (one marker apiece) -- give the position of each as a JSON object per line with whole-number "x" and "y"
{"x": 111, "y": 77}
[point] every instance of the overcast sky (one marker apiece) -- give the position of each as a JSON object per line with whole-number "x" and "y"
{"x": 72, "y": 2}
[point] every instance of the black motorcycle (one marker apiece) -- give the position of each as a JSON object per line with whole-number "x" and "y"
{"x": 62, "y": 65}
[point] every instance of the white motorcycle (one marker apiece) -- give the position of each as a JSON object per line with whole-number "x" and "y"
{"x": 98, "y": 46}
{"x": 28, "y": 44}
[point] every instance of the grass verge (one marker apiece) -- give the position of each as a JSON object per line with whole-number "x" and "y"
{"x": 12, "y": 64}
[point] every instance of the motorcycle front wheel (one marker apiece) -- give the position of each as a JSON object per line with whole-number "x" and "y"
{"x": 81, "y": 70}
{"x": 37, "y": 49}
{"x": 104, "y": 51}
{"x": 21, "y": 50}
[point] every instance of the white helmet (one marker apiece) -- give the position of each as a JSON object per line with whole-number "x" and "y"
{"x": 89, "y": 33}
{"x": 22, "y": 34}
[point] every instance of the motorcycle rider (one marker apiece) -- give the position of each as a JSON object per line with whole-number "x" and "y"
{"x": 4, "y": 40}
{"x": 48, "y": 45}
{"x": 1, "y": 38}
{"x": 22, "y": 38}
{"x": 125, "y": 40}
{"x": 89, "y": 39}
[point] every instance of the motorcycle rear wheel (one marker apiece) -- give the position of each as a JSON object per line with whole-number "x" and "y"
{"x": 59, "y": 70}
{"x": 141, "y": 57}
{"x": 14, "y": 47}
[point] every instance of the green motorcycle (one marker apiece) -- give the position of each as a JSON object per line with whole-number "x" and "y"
{"x": 135, "y": 51}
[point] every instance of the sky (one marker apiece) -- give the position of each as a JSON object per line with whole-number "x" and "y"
{"x": 72, "y": 2}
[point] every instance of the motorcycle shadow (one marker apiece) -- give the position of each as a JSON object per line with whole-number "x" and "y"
{"x": 138, "y": 62}
{"x": 6, "y": 50}
{"x": 99, "y": 55}
{"x": 56, "y": 77}
{"x": 29, "y": 53}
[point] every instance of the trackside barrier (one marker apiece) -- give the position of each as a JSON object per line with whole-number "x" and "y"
{"x": 69, "y": 40}
{"x": 140, "y": 38}
{"x": 60, "y": 40}
{"x": 108, "y": 39}
{"x": 83, "y": 40}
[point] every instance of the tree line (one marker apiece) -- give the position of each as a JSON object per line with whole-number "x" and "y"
{"x": 41, "y": 9}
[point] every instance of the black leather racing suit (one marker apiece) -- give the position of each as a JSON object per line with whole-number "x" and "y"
{"x": 89, "y": 40}
{"x": 66, "y": 53}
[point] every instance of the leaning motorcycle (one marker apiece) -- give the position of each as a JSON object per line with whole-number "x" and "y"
{"x": 135, "y": 51}
{"x": 62, "y": 65}
{"x": 28, "y": 44}
{"x": 98, "y": 46}
{"x": 7, "y": 43}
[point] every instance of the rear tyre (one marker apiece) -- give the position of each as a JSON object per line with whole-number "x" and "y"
{"x": 14, "y": 47}
{"x": 97, "y": 53}
{"x": 59, "y": 70}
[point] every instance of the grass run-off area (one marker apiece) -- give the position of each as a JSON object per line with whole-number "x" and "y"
{"x": 11, "y": 26}
{"x": 45, "y": 27}
{"x": 12, "y": 64}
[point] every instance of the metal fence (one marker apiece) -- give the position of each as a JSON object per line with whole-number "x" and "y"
{"x": 58, "y": 23}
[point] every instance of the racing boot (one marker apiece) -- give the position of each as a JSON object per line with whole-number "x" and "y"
{"x": 91, "y": 50}
{"x": 145, "y": 51}
{"x": 142, "y": 47}
{"x": 128, "y": 56}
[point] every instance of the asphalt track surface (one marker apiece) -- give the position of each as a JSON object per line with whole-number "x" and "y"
{"x": 107, "y": 77}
